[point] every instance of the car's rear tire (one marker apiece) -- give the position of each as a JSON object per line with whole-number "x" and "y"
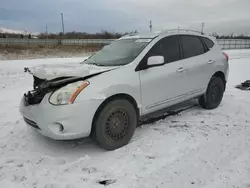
{"x": 214, "y": 94}
{"x": 115, "y": 124}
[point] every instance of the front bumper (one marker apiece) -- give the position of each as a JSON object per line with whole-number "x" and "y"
{"x": 76, "y": 119}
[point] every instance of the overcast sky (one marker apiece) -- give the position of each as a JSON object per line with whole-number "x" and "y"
{"x": 222, "y": 16}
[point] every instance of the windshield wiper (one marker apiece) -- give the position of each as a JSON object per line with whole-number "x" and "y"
{"x": 96, "y": 64}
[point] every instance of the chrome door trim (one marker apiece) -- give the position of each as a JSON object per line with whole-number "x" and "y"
{"x": 165, "y": 101}
{"x": 174, "y": 98}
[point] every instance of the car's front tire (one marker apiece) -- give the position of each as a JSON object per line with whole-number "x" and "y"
{"x": 115, "y": 124}
{"x": 214, "y": 94}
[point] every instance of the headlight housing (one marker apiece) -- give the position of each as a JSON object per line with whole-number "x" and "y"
{"x": 67, "y": 94}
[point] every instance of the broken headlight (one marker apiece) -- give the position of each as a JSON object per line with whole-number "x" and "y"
{"x": 68, "y": 93}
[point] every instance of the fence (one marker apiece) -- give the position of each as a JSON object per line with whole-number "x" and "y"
{"x": 83, "y": 42}
{"x": 234, "y": 43}
{"x": 224, "y": 43}
{"x": 13, "y": 41}
{"x": 53, "y": 42}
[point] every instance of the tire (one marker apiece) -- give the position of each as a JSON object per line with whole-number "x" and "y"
{"x": 115, "y": 124}
{"x": 214, "y": 94}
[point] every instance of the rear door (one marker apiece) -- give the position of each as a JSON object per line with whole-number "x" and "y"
{"x": 198, "y": 64}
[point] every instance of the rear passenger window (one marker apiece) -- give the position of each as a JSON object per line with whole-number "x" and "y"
{"x": 192, "y": 46}
{"x": 208, "y": 42}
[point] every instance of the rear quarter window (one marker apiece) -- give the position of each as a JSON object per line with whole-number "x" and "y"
{"x": 208, "y": 42}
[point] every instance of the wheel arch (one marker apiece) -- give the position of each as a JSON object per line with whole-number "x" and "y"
{"x": 113, "y": 97}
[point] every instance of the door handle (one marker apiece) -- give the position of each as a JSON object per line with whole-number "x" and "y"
{"x": 181, "y": 69}
{"x": 210, "y": 61}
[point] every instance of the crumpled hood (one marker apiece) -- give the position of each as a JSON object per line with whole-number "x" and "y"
{"x": 50, "y": 72}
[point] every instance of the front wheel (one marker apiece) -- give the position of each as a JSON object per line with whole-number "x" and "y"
{"x": 214, "y": 94}
{"x": 115, "y": 124}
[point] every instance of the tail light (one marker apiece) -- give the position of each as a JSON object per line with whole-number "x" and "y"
{"x": 227, "y": 57}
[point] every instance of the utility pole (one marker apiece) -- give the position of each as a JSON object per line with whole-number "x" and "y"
{"x": 47, "y": 31}
{"x": 62, "y": 23}
{"x": 202, "y": 27}
{"x": 150, "y": 26}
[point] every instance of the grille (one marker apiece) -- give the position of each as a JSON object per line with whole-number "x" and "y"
{"x": 31, "y": 123}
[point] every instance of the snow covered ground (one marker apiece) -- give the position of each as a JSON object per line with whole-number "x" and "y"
{"x": 197, "y": 148}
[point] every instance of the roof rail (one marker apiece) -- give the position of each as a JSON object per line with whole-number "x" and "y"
{"x": 187, "y": 30}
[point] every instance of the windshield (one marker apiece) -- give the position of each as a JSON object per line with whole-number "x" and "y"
{"x": 120, "y": 52}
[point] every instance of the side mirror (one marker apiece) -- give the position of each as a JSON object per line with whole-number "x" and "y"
{"x": 155, "y": 60}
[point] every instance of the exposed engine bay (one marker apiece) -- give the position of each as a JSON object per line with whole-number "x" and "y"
{"x": 42, "y": 87}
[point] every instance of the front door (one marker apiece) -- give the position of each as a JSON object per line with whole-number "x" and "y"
{"x": 161, "y": 86}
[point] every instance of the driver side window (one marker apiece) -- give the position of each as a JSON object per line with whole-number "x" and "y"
{"x": 168, "y": 48}
{"x": 157, "y": 49}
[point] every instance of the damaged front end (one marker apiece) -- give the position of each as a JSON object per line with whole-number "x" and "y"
{"x": 42, "y": 86}
{"x": 36, "y": 81}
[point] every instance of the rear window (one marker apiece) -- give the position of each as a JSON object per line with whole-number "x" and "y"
{"x": 192, "y": 46}
{"x": 208, "y": 42}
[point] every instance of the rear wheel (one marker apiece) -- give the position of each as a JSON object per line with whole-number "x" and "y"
{"x": 115, "y": 124}
{"x": 214, "y": 94}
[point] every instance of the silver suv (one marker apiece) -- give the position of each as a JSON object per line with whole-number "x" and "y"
{"x": 106, "y": 95}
